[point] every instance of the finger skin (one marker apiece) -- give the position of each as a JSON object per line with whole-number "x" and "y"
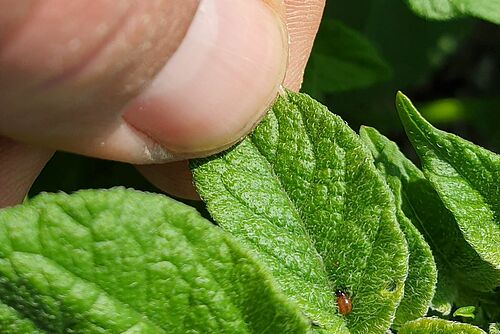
{"x": 219, "y": 82}
{"x": 124, "y": 80}
{"x": 69, "y": 72}
{"x": 175, "y": 178}
{"x": 19, "y": 166}
{"x": 302, "y": 18}
{"x": 80, "y": 41}
{"x": 69, "y": 68}
{"x": 59, "y": 59}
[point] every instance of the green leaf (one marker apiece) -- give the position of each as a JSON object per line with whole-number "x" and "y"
{"x": 422, "y": 274}
{"x": 302, "y": 193}
{"x": 466, "y": 312}
{"x": 121, "y": 261}
{"x": 12, "y": 322}
{"x": 494, "y": 328}
{"x": 466, "y": 177}
{"x": 343, "y": 59}
{"x": 438, "y": 326}
{"x": 434, "y": 9}
{"x": 413, "y": 48}
{"x": 447, "y": 9}
{"x": 460, "y": 269}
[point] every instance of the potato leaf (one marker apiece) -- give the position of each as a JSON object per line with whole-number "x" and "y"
{"x": 422, "y": 275}
{"x": 460, "y": 269}
{"x": 121, "y": 261}
{"x": 447, "y": 9}
{"x": 438, "y": 326}
{"x": 302, "y": 193}
{"x": 467, "y": 179}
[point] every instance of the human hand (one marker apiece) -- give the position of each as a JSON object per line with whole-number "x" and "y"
{"x": 150, "y": 83}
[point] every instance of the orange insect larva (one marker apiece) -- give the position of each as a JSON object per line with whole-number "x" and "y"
{"x": 344, "y": 303}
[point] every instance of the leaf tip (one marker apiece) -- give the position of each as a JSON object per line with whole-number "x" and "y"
{"x": 362, "y": 130}
{"x": 400, "y": 94}
{"x": 365, "y": 129}
{"x": 408, "y": 113}
{"x": 403, "y": 103}
{"x": 368, "y": 134}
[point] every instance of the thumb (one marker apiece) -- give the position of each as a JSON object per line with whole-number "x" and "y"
{"x": 218, "y": 83}
{"x": 116, "y": 103}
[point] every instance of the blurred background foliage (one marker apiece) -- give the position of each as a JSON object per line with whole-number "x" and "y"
{"x": 450, "y": 69}
{"x": 365, "y": 52}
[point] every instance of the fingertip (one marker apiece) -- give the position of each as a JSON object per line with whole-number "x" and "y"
{"x": 220, "y": 81}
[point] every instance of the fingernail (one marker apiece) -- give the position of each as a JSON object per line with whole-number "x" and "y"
{"x": 219, "y": 82}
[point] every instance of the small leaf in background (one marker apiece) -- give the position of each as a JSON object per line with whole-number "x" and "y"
{"x": 422, "y": 275}
{"x": 413, "y": 48}
{"x": 487, "y": 307}
{"x": 467, "y": 179}
{"x": 302, "y": 193}
{"x": 488, "y": 10}
{"x": 461, "y": 272}
{"x": 120, "y": 261}
{"x": 479, "y": 115}
{"x": 343, "y": 59}
{"x": 465, "y": 311}
{"x": 438, "y": 326}
{"x": 434, "y": 9}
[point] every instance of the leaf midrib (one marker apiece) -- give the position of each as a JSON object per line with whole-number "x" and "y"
{"x": 309, "y": 237}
